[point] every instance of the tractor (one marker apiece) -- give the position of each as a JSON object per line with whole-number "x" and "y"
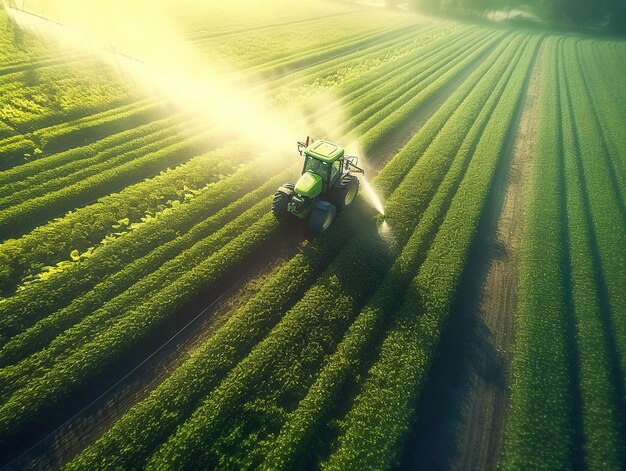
{"x": 327, "y": 185}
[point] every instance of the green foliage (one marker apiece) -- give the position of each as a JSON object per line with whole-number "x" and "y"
{"x": 37, "y": 300}
{"x": 340, "y": 369}
{"x": 15, "y": 220}
{"x": 43, "y": 393}
{"x": 151, "y": 421}
{"x": 325, "y": 363}
{"x": 378, "y": 421}
{"x": 41, "y": 374}
{"x": 568, "y": 338}
{"x": 66, "y": 168}
{"x": 539, "y": 429}
{"x": 89, "y": 225}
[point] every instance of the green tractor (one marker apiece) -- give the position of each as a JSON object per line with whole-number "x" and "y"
{"x": 327, "y": 185}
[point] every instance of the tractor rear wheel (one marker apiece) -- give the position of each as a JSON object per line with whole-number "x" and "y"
{"x": 282, "y": 197}
{"x": 321, "y": 217}
{"x": 344, "y": 191}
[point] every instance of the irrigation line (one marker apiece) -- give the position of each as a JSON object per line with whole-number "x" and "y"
{"x": 130, "y": 373}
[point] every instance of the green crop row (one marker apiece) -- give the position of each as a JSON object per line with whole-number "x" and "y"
{"x": 403, "y": 87}
{"x": 42, "y": 298}
{"x": 606, "y": 205}
{"x": 598, "y": 84}
{"x": 590, "y": 287}
{"x": 16, "y": 149}
{"x": 599, "y": 415}
{"x": 133, "y": 266}
{"x": 82, "y": 335}
{"x": 291, "y": 445}
{"x": 87, "y": 226}
{"x": 42, "y": 394}
{"x": 18, "y": 219}
{"x": 312, "y": 41}
{"x": 613, "y": 113}
{"x": 83, "y": 373}
{"x": 11, "y": 53}
{"x": 400, "y": 64}
{"x": 6, "y": 131}
{"x": 11, "y": 262}
{"x": 251, "y": 399}
{"x": 151, "y": 421}
{"x": 539, "y": 430}
{"x": 39, "y": 61}
{"x": 108, "y": 302}
{"x": 389, "y": 123}
{"x": 372, "y": 86}
{"x": 22, "y": 176}
{"x": 374, "y": 428}
{"x": 432, "y": 127}
{"x": 51, "y": 245}
{"x": 377, "y": 88}
{"x": 358, "y": 71}
{"x": 48, "y": 249}
{"x": 60, "y": 95}
{"x": 265, "y": 382}
{"x": 606, "y": 220}
{"x": 93, "y": 162}
{"x": 100, "y": 119}
{"x": 95, "y": 126}
{"x": 313, "y": 55}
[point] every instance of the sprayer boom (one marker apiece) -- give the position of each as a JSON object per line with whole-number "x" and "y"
{"x": 352, "y": 167}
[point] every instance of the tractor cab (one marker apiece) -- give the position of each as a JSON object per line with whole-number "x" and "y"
{"x": 324, "y": 159}
{"x": 325, "y": 186}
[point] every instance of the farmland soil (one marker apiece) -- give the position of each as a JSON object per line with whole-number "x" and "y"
{"x": 463, "y": 407}
{"x": 97, "y": 406}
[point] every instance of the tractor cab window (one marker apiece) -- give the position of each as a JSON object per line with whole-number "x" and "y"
{"x": 316, "y": 166}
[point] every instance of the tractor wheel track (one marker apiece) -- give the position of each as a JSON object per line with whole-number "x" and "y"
{"x": 463, "y": 408}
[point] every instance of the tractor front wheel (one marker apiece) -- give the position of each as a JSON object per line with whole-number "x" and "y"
{"x": 344, "y": 191}
{"x": 321, "y": 217}
{"x": 282, "y": 197}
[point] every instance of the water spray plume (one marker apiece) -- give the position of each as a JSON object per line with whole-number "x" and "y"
{"x": 154, "y": 54}
{"x": 372, "y": 196}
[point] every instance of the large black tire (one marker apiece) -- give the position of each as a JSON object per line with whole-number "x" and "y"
{"x": 321, "y": 217}
{"x": 344, "y": 192}
{"x": 282, "y": 197}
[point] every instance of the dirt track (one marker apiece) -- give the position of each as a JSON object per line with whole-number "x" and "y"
{"x": 481, "y": 436}
{"x": 463, "y": 408}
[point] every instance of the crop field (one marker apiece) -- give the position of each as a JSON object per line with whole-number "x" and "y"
{"x": 467, "y": 312}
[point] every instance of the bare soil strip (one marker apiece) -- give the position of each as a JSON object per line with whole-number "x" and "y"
{"x": 463, "y": 408}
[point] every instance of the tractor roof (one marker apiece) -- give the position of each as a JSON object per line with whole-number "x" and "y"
{"x": 324, "y": 151}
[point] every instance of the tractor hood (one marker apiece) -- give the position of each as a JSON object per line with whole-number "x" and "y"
{"x": 309, "y": 185}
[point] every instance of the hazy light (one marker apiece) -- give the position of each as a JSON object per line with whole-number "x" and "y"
{"x": 153, "y": 54}
{"x": 142, "y": 42}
